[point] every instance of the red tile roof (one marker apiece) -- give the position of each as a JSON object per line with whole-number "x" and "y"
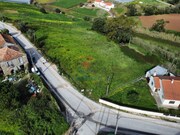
{"x": 157, "y": 82}
{"x": 171, "y": 87}
{"x": 2, "y": 41}
{"x": 108, "y": 3}
{"x": 98, "y": 0}
{"x": 6, "y": 38}
{"x": 7, "y": 54}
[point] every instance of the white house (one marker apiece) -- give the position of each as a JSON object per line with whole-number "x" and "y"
{"x": 104, "y": 5}
{"x": 11, "y": 58}
{"x": 165, "y": 85}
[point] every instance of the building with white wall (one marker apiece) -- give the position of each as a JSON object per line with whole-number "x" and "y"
{"x": 104, "y": 5}
{"x": 165, "y": 85}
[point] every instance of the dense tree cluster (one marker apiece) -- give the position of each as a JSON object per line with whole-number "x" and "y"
{"x": 154, "y": 10}
{"x": 135, "y": 10}
{"x": 34, "y": 115}
{"x": 117, "y": 29}
{"x": 173, "y": 1}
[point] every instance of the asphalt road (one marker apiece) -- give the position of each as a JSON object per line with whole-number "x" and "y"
{"x": 90, "y": 117}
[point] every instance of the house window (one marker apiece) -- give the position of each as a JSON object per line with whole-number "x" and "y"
{"x": 171, "y": 102}
{"x": 152, "y": 83}
{"x": 8, "y": 64}
{"x": 20, "y": 60}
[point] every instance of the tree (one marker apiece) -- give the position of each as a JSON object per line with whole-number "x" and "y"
{"x": 173, "y": 1}
{"x": 119, "y": 29}
{"x": 4, "y": 31}
{"x": 98, "y": 25}
{"x": 23, "y": 26}
{"x": 132, "y": 11}
{"x": 159, "y": 25}
{"x": 150, "y": 10}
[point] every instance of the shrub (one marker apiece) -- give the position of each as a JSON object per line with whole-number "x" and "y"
{"x": 132, "y": 96}
{"x": 87, "y": 18}
{"x": 57, "y": 10}
{"x": 4, "y": 31}
{"x": 42, "y": 10}
{"x": 98, "y": 25}
{"x": 159, "y": 25}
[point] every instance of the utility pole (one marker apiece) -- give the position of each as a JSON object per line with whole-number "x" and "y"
{"x": 109, "y": 80}
{"x": 117, "y": 119}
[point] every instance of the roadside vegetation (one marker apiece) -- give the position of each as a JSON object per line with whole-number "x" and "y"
{"x": 23, "y": 113}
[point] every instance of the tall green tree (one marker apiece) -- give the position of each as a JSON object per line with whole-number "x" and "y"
{"x": 132, "y": 10}
{"x": 159, "y": 25}
{"x": 98, "y": 25}
{"x": 119, "y": 29}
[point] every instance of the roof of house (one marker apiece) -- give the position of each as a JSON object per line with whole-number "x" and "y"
{"x": 7, "y": 54}
{"x": 6, "y": 38}
{"x": 98, "y": 0}
{"x": 158, "y": 70}
{"x": 2, "y": 41}
{"x": 157, "y": 82}
{"x": 108, "y": 3}
{"x": 170, "y": 85}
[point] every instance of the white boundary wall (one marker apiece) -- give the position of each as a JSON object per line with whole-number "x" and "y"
{"x": 138, "y": 111}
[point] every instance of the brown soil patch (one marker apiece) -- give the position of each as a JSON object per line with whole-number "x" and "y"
{"x": 174, "y": 21}
{"x": 86, "y": 64}
{"x": 89, "y": 58}
{"x": 11, "y": 11}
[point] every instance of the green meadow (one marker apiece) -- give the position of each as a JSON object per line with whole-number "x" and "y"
{"x": 68, "y": 3}
{"x": 88, "y": 59}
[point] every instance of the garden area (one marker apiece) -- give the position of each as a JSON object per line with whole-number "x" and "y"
{"x": 23, "y": 113}
{"x": 136, "y": 95}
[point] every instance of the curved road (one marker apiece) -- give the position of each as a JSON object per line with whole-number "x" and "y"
{"x": 89, "y": 117}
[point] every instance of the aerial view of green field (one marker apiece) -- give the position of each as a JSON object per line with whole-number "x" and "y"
{"x": 103, "y": 56}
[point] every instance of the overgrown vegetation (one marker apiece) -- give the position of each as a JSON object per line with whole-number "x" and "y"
{"x": 159, "y": 25}
{"x": 150, "y": 9}
{"x": 118, "y": 29}
{"x": 134, "y": 95}
{"x": 22, "y": 113}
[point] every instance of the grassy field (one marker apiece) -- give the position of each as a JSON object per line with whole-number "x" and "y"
{"x": 148, "y": 2}
{"x": 133, "y": 95}
{"x": 68, "y": 3}
{"x": 45, "y": 1}
{"x": 87, "y": 57}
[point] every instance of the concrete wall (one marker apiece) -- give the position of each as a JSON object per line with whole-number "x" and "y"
{"x": 175, "y": 105}
{"x": 138, "y": 111}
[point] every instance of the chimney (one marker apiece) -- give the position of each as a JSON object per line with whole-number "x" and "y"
{"x": 154, "y": 73}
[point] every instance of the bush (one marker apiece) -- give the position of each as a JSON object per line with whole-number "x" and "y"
{"x": 81, "y": 4}
{"x": 42, "y": 10}
{"x": 132, "y": 10}
{"x": 4, "y": 31}
{"x": 87, "y": 18}
{"x": 98, "y": 25}
{"x": 159, "y": 25}
{"x": 132, "y": 96}
{"x": 57, "y": 10}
